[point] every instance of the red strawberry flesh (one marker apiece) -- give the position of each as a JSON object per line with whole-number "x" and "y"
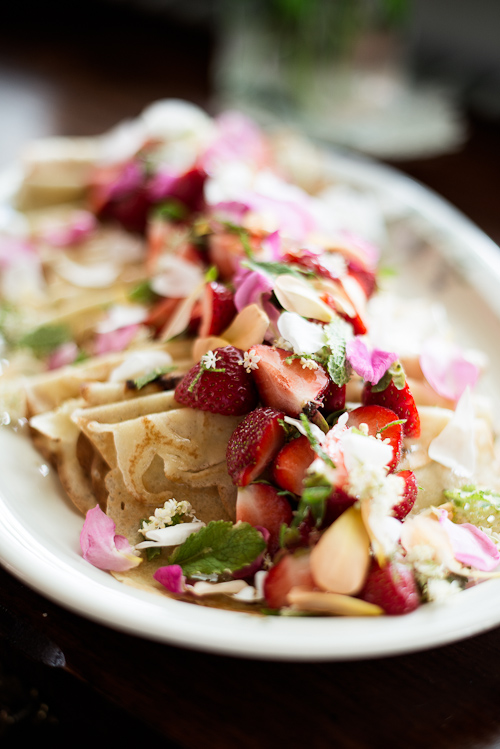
{"x": 261, "y": 505}
{"x": 401, "y": 510}
{"x": 218, "y": 309}
{"x": 392, "y": 587}
{"x": 290, "y": 571}
{"x": 401, "y": 402}
{"x": 229, "y": 391}
{"x": 291, "y": 464}
{"x": 254, "y": 444}
{"x": 287, "y": 386}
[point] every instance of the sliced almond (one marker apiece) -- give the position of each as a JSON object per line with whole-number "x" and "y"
{"x": 331, "y": 603}
{"x": 297, "y": 295}
{"x": 340, "y": 559}
{"x": 248, "y": 327}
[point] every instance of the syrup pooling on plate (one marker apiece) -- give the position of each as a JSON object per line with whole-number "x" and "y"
{"x": 196, "y": 340}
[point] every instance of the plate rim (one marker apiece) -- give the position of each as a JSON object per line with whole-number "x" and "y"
{"x": 275, "y": 638}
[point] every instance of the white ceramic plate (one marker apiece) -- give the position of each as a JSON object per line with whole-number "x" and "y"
{"x": 39, "y": 529}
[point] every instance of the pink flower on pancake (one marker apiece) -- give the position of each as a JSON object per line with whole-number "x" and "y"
{"x": 114, "y": 340}
{"x": 172, "y": 578}
{"x": 63, "y": 355}
{"x": 370, "y": 365}
{"x": 102, "y": 547}
{"x": 445, "y": 368}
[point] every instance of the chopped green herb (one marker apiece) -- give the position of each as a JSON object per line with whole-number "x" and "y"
{"x": 155, "y": 374}
{"x": 142, "y": 293}
{"x": 172, "y": 209}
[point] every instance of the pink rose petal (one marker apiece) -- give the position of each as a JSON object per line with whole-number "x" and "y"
{"x": 80, "y": 226}
{"x": 102, "y": 548}
{"x": 370, "y": 365}
{"x": 172, "y": 578}
{"x": 471, "y": 546}
{"x": 251, "y": 287}
{"x": 63, "y": 355}
{"x": 445, "y": 368}
{"x": 115, "y": 340}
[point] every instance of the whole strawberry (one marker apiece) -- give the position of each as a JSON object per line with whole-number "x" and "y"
{"x": 219, "y": 384}
{"x": 392, "y": 587}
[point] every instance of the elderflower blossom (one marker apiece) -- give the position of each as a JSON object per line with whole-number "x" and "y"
{"x": 250, "y": 360}
{"x": 441, "y": 590}
{"x": 373, "y": 482}
{"x": 309, "y": 363}
{"x": 164, "y": 516}
{"x": 209, "y": 360}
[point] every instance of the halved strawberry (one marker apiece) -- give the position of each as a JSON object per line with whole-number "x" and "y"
{"x": 336, "y": 504}
{"x": 392, "y": 587}
{"x": 254, "y": 444}
{"x": 261, "y": 505}
{"x": 227, "y": 388}
{"x": 291, "y": 464}
{"x": 401, "y": 402}
{"x": 290, "y": 571}
{"x": 377, "y": 418}
{"x": 334, "y": 398}
{"x": 217, "y": 311}
{"x": 401, "y": 510}
{"x": 284, "y": 385}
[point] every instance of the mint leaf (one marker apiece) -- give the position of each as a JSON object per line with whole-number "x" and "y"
{"x": 155, "y": 374}
{"x": 336, "y": 340}
{"x": 172, "y": 209}
{"x": 217, "y": 548}
{"x": 142, "y": 293}
{"x": 46, "y": 339}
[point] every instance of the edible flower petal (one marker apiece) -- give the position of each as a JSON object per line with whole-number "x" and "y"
{"x": 80, "y": 226}
{"x": 446, "y": 369}
{"x": 172, "y": 578}
{"x": 102, "y": 547}
{"x": 305, "y": 337}
{"x": 370, "y": 365}
{"x": 471, "y": 546}
{"x": 455, "y": 446}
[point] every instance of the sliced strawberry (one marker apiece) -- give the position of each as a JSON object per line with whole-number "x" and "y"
{"x": 365, "y": 276}
{"x": 401, "y": 402}
{"x": 401, "y": 510}
{"x": 290, "y": 571}
{"x": 226, "y": 388}
{"x": 392, "y": 587}
{"x": 334, "y": 398}
{"x": 160, "y": 313}
{"x": 291, "y": 464}
{"x": 337, "y": 503}
{"x": 261, "y": 505}
{"x": 287, "y": 386}
{"x": 254, "y": 444}
{"x": 377, "y": 418}
{"x": 217, "y": 311}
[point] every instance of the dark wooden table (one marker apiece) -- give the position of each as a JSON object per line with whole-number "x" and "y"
{"x": 72, "y": 681}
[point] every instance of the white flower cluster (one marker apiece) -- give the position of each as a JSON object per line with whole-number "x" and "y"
{"x": 209, "y": 360}
{"x": 250, "y": 360}
{"x": 309, "y": 363}
{"x": 163, "y": 516}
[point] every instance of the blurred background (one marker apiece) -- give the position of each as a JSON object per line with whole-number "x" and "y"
{"x": 413, "y": 83}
